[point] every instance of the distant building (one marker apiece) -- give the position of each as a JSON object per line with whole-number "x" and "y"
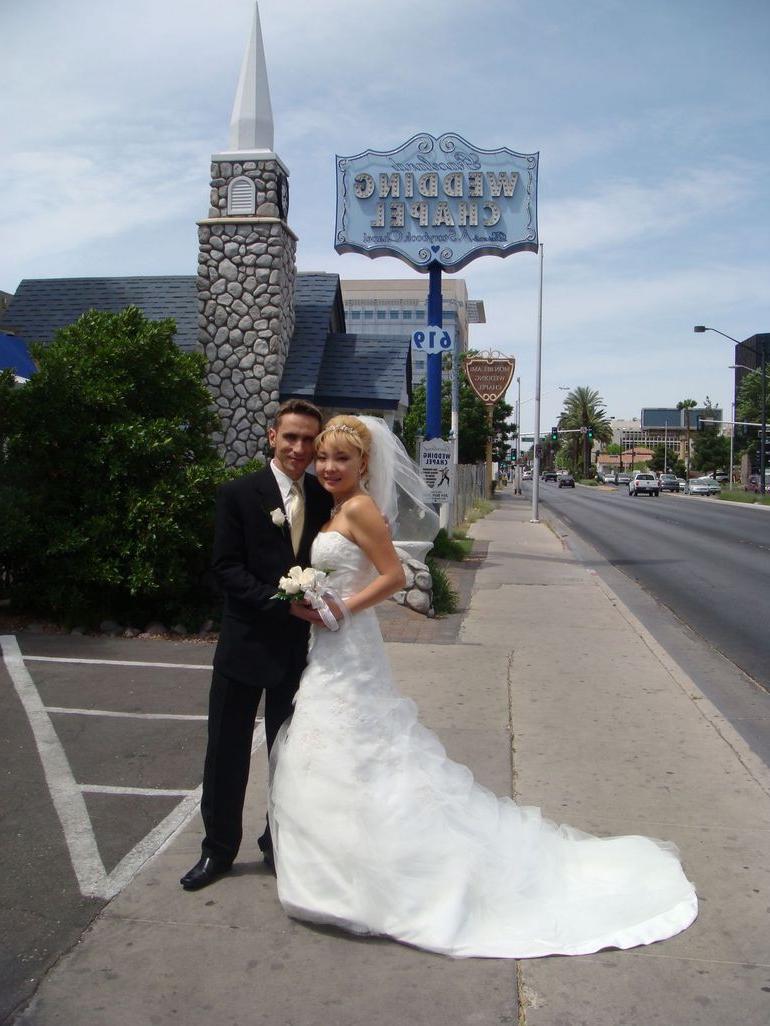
{"x": 661, "y": 425}
{"x": 397, "y": 306}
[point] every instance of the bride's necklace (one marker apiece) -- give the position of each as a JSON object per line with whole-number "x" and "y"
{"x": 338, "y": 505}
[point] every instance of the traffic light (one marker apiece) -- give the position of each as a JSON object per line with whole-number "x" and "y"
{"x": 590, "y": 432}
{"x": 554, "y": 434}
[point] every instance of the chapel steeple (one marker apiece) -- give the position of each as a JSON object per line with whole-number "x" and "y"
{"x": 246, "y": 268}
{"x": 251, "y": 124}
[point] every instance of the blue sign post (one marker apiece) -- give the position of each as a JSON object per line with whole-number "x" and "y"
{"x": 437, "y": 203}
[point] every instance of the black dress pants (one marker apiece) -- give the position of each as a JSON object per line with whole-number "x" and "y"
{"x": 232, "y": 713}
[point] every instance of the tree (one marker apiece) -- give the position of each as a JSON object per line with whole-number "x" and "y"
{"x": 108, "y": 475}
{"x": 473, "y": 422}
{"x": 749, "y": 407}
{"x": 711, "y": 451}
{"x": 687, "y": 405}
{"x": 584, "y": 408}
{"x": 665, "y": 459}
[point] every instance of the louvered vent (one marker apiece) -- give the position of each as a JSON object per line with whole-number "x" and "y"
{"x": 241, "y": 196}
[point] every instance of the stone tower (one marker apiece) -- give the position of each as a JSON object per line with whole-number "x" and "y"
{"x": 246, "y": 268}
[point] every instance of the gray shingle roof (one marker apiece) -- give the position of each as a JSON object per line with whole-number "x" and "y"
{"x": 324, "y": 364}
{"x": 43, "y": 305}
{"x": 363, "y": 371}
{"x": 315, "y": 296}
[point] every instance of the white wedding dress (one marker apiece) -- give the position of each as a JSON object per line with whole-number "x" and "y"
{"x": 377, "y": 831}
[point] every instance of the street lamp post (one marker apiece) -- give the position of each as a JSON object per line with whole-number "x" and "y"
{"x": 699, "y": 328}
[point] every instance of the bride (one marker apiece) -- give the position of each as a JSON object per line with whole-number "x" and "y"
{"x": 375, "y": 829}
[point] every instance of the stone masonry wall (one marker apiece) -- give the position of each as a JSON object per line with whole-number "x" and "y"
{"x": 246, "y": 271}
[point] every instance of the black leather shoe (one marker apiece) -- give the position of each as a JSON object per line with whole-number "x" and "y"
{"x": 265, "y": 844}
{"x": 204, "y": 872}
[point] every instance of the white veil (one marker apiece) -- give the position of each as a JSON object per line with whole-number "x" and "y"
{"x": 396, "y": 486}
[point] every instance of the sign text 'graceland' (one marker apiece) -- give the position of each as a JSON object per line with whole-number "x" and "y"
{"x": 437, "y": 200}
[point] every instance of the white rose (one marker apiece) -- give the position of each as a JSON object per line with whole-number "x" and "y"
{"x": 309, "y": 579}
{"x": 289, "y": 586}
{"x": 295, "y": 573}
{"x": 278, "y": 517}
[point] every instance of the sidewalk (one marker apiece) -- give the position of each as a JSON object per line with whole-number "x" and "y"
{"x": 531, "y": 698}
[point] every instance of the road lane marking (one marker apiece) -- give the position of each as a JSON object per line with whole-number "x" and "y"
{"x": 127, "y": 715}
{"x": 67, "y": 795}
{"x": 146, "y": 792}
{"x": 117, "y": 662}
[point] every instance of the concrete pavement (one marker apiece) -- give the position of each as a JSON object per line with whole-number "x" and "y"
{"x": 553, "y": 692}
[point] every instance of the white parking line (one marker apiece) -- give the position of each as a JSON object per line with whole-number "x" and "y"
{"x": 146, "y": 792}
{"x": 67, "y": 794}
{"x": 126, "y": 715}
{"x": 117, "y": 662}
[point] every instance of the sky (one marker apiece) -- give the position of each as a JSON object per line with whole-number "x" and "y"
{"x": 651, "y": 121}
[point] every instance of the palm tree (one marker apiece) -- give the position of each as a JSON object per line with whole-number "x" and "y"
{"x": 687, "y": 405}
{"x": 584, "y": 408}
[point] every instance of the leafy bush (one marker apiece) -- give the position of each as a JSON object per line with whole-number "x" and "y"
{"x": 444, "y": 596}
{"x": 108, "y": 476}
{"x": 450, "y": 548}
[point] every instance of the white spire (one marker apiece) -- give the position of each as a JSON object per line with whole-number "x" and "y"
{"x": 251, "y": 124}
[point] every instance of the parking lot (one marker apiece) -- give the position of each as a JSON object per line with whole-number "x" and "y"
{"x": 102, "y": 756}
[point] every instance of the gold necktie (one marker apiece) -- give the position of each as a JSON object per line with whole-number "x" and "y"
{"x": 297, "y": 515}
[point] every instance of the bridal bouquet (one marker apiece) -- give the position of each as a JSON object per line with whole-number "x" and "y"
{"x": 298, "y": 582}
{"x": 310, "y": 585}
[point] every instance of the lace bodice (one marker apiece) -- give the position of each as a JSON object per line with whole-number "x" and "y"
{"x": 348, "y": 566}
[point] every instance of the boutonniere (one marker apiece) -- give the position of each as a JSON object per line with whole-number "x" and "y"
{"x": 278, "y": 516}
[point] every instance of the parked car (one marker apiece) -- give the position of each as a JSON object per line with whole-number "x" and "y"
{"x": 549, "y": 475}
{"x": 682, "y": 484}
{"x": 526, "y": 475}
{"x": 644, "y": 482}
{"x": 668, "y": 483}
{"x": 705, "y": 486}
{"x": 722, "y": 476}
{"x": 566, "y": 481}
{"x": 622, "y": 478}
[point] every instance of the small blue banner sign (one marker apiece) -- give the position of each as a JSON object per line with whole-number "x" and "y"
{"x": 437, "y": 200}
{"x": 433, "y": 339}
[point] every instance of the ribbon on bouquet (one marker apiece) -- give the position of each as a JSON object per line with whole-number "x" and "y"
{"x": 318, "y": 601}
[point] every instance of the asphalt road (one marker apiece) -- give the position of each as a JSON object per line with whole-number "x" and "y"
{"x": 703, "y": 565}
{"x": 101, "y": 755}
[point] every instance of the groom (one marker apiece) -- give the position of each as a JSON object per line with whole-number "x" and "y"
{"x": 265, "y": 523}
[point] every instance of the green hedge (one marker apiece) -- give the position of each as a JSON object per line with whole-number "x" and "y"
{"x": 108, "y": 476}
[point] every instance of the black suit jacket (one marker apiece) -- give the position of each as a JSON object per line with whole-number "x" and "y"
{"x": 260, "y": 643}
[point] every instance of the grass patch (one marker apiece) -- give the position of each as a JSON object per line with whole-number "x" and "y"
{"x": 444, "y": 596}
{"x": 479, "y": 510}
{"x": 454, "y": 547}
{"x": 740, "y": 496}
{"x": 590, "y": 481}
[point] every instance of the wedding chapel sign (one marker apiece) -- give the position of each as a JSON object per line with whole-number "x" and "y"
{"x": 489, "y": 376}
{"x": 437, "y": 200}
{"x": 437, "y": 468}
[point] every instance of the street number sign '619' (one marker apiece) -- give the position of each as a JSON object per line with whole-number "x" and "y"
{"x": 433, "y": 339}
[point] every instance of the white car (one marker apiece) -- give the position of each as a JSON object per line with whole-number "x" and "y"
{"x": 643, "y": 482}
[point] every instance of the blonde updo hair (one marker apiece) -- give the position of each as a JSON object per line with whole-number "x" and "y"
{"x": 348, "y": 430}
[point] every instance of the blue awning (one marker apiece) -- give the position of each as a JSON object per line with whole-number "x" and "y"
{"x": 14, "y": 356}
